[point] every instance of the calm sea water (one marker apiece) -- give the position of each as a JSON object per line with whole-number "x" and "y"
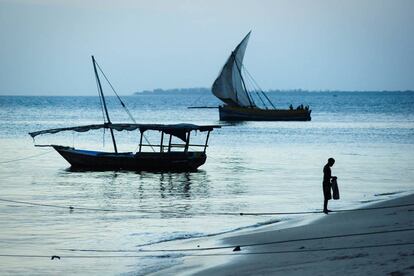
{"x": 251, "y": 167}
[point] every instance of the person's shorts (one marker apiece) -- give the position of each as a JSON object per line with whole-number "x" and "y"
{"x": 327, "y": 191}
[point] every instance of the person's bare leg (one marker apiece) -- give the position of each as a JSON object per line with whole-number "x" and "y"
{"x": 325, "y": 206}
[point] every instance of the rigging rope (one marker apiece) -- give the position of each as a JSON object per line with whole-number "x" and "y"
{"x": 254, "y": 89}
{"x": 260, "y": 89}
{"x": 103, "y": 112}
{"x": 122, "y": 103}
{"x": 249, "y": 97}
{"x": 101, "y": 102}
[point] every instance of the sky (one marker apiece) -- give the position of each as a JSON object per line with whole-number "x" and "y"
{"x": 46, "y": 45}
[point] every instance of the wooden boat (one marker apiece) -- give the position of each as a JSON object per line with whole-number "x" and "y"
{"x": 236, "y": 113}
{"x": 240, "y": 104}
{"x": 163, "y": 157}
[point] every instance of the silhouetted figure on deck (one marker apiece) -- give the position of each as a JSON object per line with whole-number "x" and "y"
{"x": 327, "y": 176}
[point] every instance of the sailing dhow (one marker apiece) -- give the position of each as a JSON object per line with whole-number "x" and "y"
{"x": 239, "y": 104}
{"x": 165, "y": 156}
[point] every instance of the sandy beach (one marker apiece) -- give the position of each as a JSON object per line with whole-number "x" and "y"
{"x": 383, "y": 245}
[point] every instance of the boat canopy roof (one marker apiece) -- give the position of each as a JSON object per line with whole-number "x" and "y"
{"x": 178, "y": 130}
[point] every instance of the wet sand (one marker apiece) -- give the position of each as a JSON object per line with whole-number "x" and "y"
{"x": 315, "y": 257}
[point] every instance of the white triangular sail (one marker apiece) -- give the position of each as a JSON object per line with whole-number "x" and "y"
{"x": 229, "y": 86}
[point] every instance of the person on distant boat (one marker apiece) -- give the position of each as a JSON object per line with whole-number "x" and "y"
{"x": 326, "y": 185}
{"x": 290, "y": 107}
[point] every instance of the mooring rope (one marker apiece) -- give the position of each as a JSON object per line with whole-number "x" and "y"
{"x": 27, "y": 157}
{"x": 241, "y": 245}
{"x": 52, "y": 257}
{"x": 72, "y": 208}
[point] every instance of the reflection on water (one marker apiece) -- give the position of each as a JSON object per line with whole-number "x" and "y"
{"x": 172, "y": 185}
{"x": 166, "y": 193}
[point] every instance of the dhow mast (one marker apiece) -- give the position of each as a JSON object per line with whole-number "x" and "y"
{"x": 104, "y": 103}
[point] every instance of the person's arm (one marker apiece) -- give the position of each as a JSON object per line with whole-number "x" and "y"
{"x": 330, "y": 175}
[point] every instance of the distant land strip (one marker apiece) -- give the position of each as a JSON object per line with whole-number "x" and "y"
{"x": 208, "y": 90}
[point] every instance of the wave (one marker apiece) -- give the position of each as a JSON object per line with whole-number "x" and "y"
{"x": 175, "y": 236}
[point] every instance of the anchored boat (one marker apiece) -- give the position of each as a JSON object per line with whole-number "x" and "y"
{"x": 166, "y": 156}
{"x": 241, "y": 104}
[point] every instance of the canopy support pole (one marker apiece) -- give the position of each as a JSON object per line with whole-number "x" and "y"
{"x": 162, "y": 141}
{"x": 140, "y": 142}
{"x": 169, "y": 143}
{"x": 187, "y": 143}
{"x": 205, "y": 146}
{"x": 113, "y": 140}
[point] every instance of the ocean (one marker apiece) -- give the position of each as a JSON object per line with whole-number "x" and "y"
{"x": 251, "y": 167}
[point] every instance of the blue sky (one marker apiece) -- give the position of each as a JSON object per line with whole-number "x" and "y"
{"x": 316, "y": 45}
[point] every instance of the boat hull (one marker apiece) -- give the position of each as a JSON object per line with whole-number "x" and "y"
{"x": 230, "y": 113}
{"x": 144, "y": 161}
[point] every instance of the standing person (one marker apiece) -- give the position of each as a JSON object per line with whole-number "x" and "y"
{"x": 327, "y": 176}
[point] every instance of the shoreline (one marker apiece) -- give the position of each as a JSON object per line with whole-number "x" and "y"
{"x": 325, "y": 260}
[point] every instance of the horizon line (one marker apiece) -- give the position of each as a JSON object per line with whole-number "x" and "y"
{"x": 159, "y": 90}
